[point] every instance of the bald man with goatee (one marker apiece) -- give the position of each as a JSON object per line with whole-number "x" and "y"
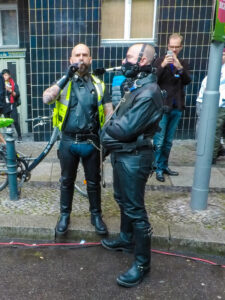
{"x": 82, "y": 104}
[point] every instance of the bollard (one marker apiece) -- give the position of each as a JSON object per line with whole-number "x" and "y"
{"x": 11, "y": 165}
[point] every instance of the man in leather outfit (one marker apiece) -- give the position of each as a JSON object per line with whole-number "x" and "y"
{"x": 81, "y": 106}
{"x": 128, "y": 136}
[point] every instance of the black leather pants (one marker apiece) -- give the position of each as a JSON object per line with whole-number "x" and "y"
{"x": 130, "y": 174}
{"x": 69, "y": 163}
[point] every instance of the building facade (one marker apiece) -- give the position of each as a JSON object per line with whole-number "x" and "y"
{"x": 36, "y": 38}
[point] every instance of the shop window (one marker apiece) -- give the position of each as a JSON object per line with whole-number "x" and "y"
{"x": 128, "y": 21}
{"x": 9, "y": 36}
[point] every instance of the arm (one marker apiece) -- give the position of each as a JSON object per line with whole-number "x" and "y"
{"x": 51, "y": 94}
{"x": 107, "y": 104}
{"x": 16, "y": 91}
{"x": 108, "y": 110}
{"x": 159, "y": 68}
{"x": 133, "y": 122}
{"x": 2, "y": 140}
{"x": 184, "y": 72}
{"x": 202, "y": 90}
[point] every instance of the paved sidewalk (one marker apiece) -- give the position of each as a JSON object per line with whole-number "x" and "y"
{"x": 175, "y": 226}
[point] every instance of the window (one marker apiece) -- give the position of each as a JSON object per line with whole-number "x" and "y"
{"x": 128, "y": 21}
{"x": 9, "y": 36}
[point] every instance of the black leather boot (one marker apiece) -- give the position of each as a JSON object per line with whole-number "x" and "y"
{"x": 124, "y": 241}
{"x": 141, "y": 265}
{"x": 100, "y": 226}
{"x": 62, "y": 224}
{"x": 66, "y": 199}
{"x": 94, "y": 196}
{"x": 119, "y": 244}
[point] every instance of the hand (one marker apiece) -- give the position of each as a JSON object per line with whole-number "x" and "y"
{"x": 72, "y": 69}
{"x": 2, "y": 139}
{"x": 9, "y": 89}
{"x": 169, "y": 59}
{"x": 63, "y": 81}
{"x": 177, "y": 63}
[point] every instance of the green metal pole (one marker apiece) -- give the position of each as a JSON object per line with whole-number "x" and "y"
{"x": 11, "y": 165}
{"x": 207, "y": 128}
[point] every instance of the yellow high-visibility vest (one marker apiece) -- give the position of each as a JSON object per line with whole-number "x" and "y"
{"x": 61, "y": 105}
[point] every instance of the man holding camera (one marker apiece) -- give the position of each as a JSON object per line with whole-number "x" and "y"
{"x": 81, "y": 106}
{"x": 173, "y": 74}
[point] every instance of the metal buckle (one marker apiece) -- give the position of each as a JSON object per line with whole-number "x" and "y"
{"x": 141, "y": 268}
{"x": 136, "y": 84}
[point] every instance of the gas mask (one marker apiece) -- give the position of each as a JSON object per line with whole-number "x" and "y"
{"x": 131, "y": 70}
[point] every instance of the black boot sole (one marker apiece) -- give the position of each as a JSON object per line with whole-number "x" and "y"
{"x": 129, "y": 285}
{"x": 117, "y": 249}
{"x": 102, "y": 232}
{"x": 61, "y": 232}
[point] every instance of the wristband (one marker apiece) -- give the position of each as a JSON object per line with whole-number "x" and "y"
{"x": 62, "y": 82}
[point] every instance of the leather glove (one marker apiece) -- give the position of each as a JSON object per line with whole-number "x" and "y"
{"x": 69, "y": 74}
{"x": 71, "y": 70}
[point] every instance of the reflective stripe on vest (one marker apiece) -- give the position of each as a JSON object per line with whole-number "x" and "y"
{"x": 61, "y": 105}
{"x": 100, "y": 88}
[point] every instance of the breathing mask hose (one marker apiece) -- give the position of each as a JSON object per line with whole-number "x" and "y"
{"x": 101, "y": 71}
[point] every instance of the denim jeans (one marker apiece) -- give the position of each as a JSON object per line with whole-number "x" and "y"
{"x": 163, "y": 139}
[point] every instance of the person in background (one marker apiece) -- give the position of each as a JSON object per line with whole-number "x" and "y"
{"x": 173, "y": 75}
{"x": 218, "y": 147}
{"x": 82, "y": 104}
{"x": 11, "y": 99}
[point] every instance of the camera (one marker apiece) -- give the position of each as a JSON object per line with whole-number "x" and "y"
{"x": 169, "y": 52}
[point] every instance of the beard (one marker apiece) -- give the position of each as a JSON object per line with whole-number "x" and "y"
{"x": 83, "y": 68}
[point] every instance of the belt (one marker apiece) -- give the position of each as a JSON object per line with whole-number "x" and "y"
{"x": 79, "y": 137}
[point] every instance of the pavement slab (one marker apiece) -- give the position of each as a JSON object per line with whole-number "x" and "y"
{"x": 175, "y": 225}
{"x": 186, "y": 174}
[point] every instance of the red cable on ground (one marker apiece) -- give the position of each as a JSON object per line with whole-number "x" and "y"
{"x": 48, "y": 244}
{"x": 188, "y": 257}
{"x": 97, "y": 244}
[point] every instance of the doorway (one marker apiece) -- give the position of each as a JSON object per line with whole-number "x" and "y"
{"x": 17, "y": 69}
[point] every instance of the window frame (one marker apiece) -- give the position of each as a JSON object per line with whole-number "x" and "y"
{"x": 126, "y": 41}
{"x": 9, "y": 7}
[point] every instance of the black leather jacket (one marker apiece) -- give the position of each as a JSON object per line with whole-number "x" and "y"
{"x": 137, "y": 118}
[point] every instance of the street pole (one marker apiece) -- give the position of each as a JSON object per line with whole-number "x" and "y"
{"x": 11, "y": 164}
{"x": 207, "y": 128}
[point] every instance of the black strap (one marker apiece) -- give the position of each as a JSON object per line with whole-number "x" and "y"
{"x": 141, "y": 53}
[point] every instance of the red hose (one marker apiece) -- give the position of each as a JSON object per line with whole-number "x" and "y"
{"x": 97, "y": 244}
